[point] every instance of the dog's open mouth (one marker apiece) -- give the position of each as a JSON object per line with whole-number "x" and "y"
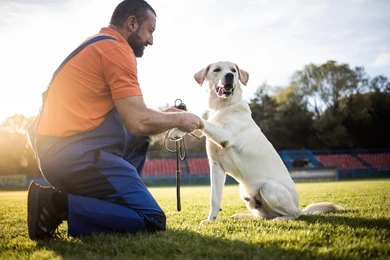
{"x": 224, "y": 91}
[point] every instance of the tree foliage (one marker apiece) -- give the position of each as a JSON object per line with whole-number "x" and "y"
{"x": 324, "y": 85}
{"x": 365, "y": 117}
{"x": 283, "y": 118}
{"x": 326, "y": 106}
{"x": 16, "y": 155}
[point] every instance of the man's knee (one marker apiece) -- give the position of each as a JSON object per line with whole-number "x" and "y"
{"x": 156, "y": 221}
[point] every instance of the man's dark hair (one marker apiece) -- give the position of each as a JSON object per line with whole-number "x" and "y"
{"x": 127, "y": 8}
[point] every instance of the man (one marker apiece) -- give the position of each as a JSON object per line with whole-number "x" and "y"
{"x": 92, "y": 136}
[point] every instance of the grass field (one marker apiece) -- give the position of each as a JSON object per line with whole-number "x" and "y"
{"x": 360, "y": 232}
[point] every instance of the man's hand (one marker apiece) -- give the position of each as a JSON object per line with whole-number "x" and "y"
{"x": 189, "y": 122}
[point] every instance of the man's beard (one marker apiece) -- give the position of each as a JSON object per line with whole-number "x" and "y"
{"x": 136, "y": 44}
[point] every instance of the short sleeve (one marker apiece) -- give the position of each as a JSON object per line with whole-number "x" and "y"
{"x": 120, "y": 72}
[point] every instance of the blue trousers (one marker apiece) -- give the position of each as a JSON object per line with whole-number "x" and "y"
{"x": 100, "y": 171}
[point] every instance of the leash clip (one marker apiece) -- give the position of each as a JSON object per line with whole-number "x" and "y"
{"x": 180, "y": 105}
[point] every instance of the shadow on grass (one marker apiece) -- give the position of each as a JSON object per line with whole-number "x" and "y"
{"x": 172, "y": 244}
{"x": 379, "y": 223}
{"x": 188, "y": 244}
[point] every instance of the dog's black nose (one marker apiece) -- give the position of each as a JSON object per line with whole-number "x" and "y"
{"x": 229, "y": 78}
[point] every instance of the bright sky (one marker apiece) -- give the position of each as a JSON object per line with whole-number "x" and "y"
{"x": 269, "y": 39}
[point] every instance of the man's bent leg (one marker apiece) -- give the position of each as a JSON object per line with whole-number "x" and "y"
{"x": 111, "y": 197}
{"x": 90, "y": 215}
{"x": 104, "y": 187}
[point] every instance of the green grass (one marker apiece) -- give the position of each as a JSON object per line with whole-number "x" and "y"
{"x": 360, "y": 232}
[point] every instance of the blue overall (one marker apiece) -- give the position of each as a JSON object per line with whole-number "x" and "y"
{"x": 100, "y": 170}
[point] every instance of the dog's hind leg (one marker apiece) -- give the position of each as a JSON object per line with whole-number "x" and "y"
{"x": 279, "y": 202}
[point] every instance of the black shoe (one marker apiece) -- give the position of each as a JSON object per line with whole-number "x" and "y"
{"x": 42, "y": 218}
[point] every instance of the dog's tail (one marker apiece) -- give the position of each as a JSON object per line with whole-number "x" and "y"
{"x": 321, "y": 207}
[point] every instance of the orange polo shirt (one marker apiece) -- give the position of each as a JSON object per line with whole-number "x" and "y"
{"x": 83, "y": 92}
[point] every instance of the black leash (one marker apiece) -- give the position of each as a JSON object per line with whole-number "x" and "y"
{"x": 180, "y": 151}
{"x": 180, "y": 154}
{"x": 178, "y": 199}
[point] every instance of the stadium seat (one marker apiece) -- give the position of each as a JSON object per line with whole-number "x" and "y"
{"x": 299, "y": 159}
{"x": 160, "y": 167}
{"x": 342, "y": 161}
{"x": 198, "y": 165}
{"x": 376, "y": 160}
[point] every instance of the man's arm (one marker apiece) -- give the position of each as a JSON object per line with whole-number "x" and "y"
{"x": 140, "y": 120}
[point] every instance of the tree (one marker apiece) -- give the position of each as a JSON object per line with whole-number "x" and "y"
{"x": 380, "y": 83}
{"x": 326, "y": 107}
{"x": 359, "y": 124}
{"x": 329, "y": 132}
{"x": 283, "y": 118}
{"x": 16, "y": 155}
{"x": 296, "y": 120}
{"x": 264, "y": 109}
{"x": 323, "y": 86}
{"x": 364, "y": 117}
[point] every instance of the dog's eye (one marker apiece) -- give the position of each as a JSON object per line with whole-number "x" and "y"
{"x": 217, "y": 70}
{"x": 234, "y": 70}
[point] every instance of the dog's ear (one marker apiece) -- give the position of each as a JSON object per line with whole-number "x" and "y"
{"x": 243, "y": 75}
{"x": 201, "y": 75}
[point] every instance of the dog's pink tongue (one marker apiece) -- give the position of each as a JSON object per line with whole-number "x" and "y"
{"x": 220, "y": 91}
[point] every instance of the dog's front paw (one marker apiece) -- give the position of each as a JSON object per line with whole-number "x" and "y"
{"x": 242, "y": 216}
{"x": 206, "y": 222}
{"x": 176, "y": 134}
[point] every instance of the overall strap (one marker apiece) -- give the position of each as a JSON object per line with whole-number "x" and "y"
{"x": 33, "y": 127}
{"x": 77, "y": 50}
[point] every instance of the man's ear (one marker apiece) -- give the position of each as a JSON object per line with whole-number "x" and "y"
{"x": 132, "y": 23}
{"x": 201, "y": 75}
{"x": 243, "y": 76}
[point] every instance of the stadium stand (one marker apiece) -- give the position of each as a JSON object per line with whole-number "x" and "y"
{"x": 198, "y": 165}
{"x": 301, "y": 163}
{"x": 160, "y": 167}
{"x": 299, "y": 159}
{"x": 376, "y": 160}
{"x": 340, "y": 161}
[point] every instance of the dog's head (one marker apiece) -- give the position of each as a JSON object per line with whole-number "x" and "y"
{"x": 224, "y": 80}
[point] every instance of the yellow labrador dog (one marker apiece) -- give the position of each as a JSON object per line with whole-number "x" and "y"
{"x": 236, "y": 146}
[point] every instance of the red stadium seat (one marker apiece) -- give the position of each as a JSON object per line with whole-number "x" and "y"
{"x": 198, "y": 166}
{"x": 342, "y": 161}
{"x": 377, "y": 160}
{"x": 160, "y": 167}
